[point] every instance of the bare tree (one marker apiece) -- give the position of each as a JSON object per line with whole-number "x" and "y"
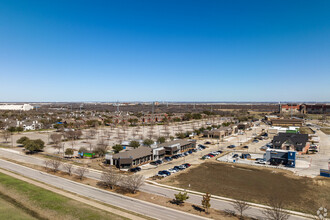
{"x": 91, "y": 146}
{"x": 277, "y": 211}
{"x": 119, "y": 134}
{"x": 81, "y": 171}
{"x": 134, "y": 132}
{"x": 110, "y": 178}
{"x": 107, "y": 134}
{"x": 151, "y": 131}
{"x": 133, "y": 182}
{"x": 101, "y": 149}
{"x": 5, "y": 135}
{"x": 56, "y": 139}
{"x": 68, "y": 167}
{"x": 167, "y": 131}
{"x": 55, "y": 165}
{"x": 124, "y": 131}
{"x": 206, "y": 202}
{"x": 240, "y": 207}
{"x": 91, "y": 133}
{"x": 77, "y": 134}
{"x": 47, "y": 163}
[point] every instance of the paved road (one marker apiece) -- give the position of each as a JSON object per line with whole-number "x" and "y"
{"x": 124, "y": 202}
{"x": 196, "y": 199}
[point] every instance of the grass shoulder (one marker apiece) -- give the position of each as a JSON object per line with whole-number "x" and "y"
{"x": 47, "y": 204}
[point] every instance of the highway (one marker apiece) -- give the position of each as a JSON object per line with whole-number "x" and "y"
{"x": 138, "y": 206}
{"x": 254, "y": 212}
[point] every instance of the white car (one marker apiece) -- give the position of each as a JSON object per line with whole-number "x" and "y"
{"x": 172, "y": 171}
{"x": 215, "y": 152}
{"x": 162, "y": 175}
{"x": 182, "y": 166}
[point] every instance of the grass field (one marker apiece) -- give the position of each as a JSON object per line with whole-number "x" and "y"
{"x": 255, "y": 185}
{"x": 10, "y": 211}
{"x": 44, "y": 204}
{"x": 326, "y": 130}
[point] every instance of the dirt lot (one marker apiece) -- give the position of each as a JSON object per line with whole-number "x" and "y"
{"x": 326, "y": 130}
{"x": 306, "y": 130}
{"x": 255, "y": 185}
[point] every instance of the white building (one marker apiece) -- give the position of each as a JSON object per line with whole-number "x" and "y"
{"x": 24, "y": 107}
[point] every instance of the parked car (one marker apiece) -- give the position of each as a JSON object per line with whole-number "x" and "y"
{"x": 231, "y": 146}
{"x": 206, "y": 157}
{"x": 190, "y": 152}
{"x": 153, "y": 163}
{"x": 255, "y": 141}
{"x": 235, "y": 155}
{"x": 246, "y": 147}
{"x": 215, "y": 153}
{"x": 161, "y": 174}
{"x": 182, "y": 167}
{"x": 179, "y": 167}
{"x": 159, "y": 161}
{"x": 168, "y": 159}
{"x": 194, "y": 150}
{"x": 219, "y": 151}
{"x": 187, "y": 165}
{"x": 263, "y": 147}
{"x": 207, "y": 142}
{"x": 201, "y": 146}
{"x": 172, "y": 170}
{"x": 167, "y": 173}
{"x": 133, "y": 170}
{"x": 260, "y": 161}
{"x": 210, "y": 155}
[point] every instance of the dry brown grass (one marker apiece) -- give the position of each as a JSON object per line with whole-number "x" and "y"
{"x": 186, "y": 207}
{"x": 306, "y": 130}
{"x": 255, "y": 185}
{"x": 326, "y": 130}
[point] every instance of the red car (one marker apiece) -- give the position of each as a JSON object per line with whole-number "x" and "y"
{"x": 211, "y": 155}
{"x": 187, "y": 164}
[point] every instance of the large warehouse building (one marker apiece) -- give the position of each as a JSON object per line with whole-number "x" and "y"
{"x": 24, "y": 107}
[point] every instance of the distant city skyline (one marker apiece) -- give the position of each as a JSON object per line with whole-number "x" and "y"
{"x": 193, "y": 51}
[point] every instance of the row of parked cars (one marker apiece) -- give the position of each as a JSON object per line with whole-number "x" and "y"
{"x": 212, "y": 154}
{"x": 165, "y": 173}
{"x": 177, "y": 156}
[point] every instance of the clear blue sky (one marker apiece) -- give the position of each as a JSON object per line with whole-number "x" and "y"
{"x": 174, "y": 50}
